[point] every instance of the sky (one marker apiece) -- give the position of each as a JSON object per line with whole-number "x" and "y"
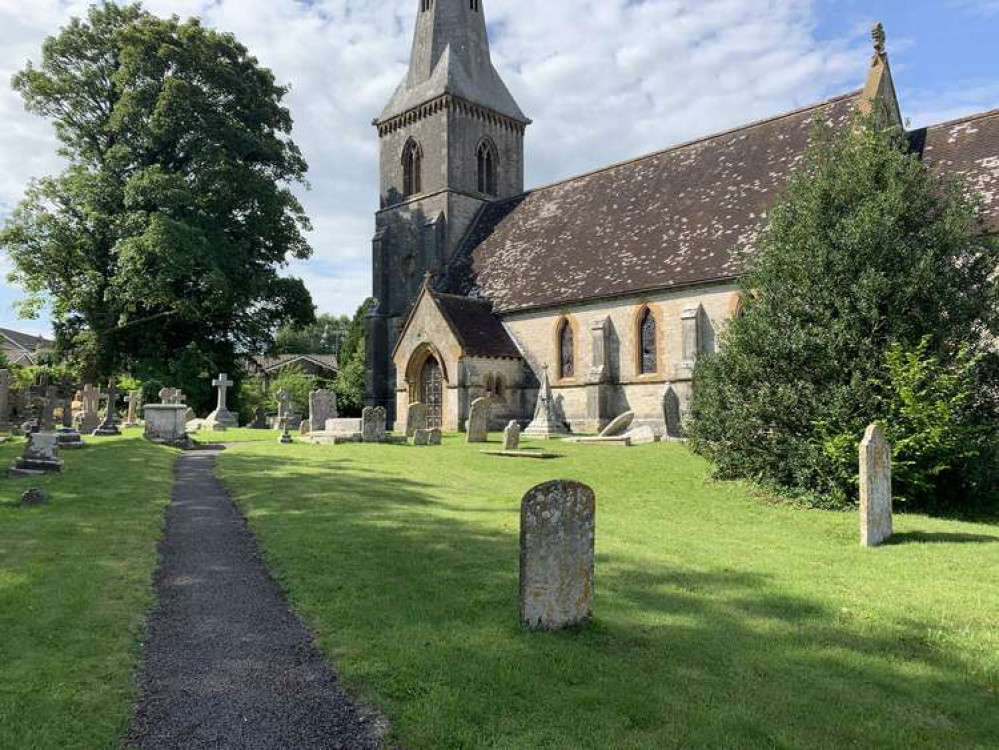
{"x": 603, "y": 81}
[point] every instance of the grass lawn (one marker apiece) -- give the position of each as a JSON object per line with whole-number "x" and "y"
{"x": 721, "y": 621}
{"x": 75, "y": 589}
{"x": 237, "y": 435}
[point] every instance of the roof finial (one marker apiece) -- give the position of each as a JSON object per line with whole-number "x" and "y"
{"x": 879, "y": 37}
{"x": 428, "y": 279}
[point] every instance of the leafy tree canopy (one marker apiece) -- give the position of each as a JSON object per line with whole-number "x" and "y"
{"x": 871, "y": 281}
{"x": 324, "y": 336}
{"x": 163, "y": 239}
{"x": 349, "y": 385}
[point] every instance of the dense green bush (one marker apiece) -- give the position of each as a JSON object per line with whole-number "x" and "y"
{"x": 865, "y": 301}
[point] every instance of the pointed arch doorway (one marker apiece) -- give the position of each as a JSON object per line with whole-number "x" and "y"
{"x": 432, "y": 391}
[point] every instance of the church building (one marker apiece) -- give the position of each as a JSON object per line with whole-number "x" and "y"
{"x": 613, "y": 282}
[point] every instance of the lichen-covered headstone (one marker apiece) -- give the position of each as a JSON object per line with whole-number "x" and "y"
{"x": 41, "y": 455}
{"x": 557, "y": 532}
{"x": 875, "y": 488}
{"x": 322, "y": 406}
{"x": 421, "y": 437}
{"x": 478, "y": 420}
{"x": 435, "y": 436}
{"x": 373, "y": 420}
{"x": 416, "y": 419}
{"x": 511, "y": 437}
{"x": 619, "y": 425}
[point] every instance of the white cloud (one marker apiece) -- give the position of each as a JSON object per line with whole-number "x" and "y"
{"x": 604, "y": 80}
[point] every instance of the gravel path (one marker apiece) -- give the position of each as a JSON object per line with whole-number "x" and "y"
{"x": 228, "y": 665}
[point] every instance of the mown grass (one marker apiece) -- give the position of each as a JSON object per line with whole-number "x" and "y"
{"x": 75, "y": 589}
{"x": 237, "y": 435}
{"x": 722, "y": 621}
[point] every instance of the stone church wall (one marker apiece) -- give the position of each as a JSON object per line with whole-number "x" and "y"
{"x": 624, "y": 388}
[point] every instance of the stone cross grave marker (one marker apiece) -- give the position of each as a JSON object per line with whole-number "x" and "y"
{"x": 110, "y": 424}
{"x": 134, "y": 404}
{"x": 875, "y": 488}
{"x": 478, "y": 420}
{"x": 557, "y": 532}
{"x": 511, "y": 437}
{"x": 416, "y": 418}
{"x": 46, "y": 420}
{"x": 221, "y": 418}
{"x": 284, "y": 415}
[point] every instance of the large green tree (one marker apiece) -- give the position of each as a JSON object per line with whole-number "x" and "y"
{"x": 161, "y": 244}
{"x": 349, "y": 385}
{"x": 324, "y": 336}
{"x": 871, "y": 280}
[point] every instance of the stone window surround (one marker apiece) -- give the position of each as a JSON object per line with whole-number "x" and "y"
{"x": 412, "y": 168}
{"x": 636, "y": 333}
{"x": 556, "y": 377}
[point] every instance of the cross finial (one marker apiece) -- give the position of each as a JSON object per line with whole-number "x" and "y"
{"x": 428, "y": 279}
{"x": 879, "y": 37}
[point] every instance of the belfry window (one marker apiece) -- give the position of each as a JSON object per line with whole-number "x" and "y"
{"x": 412, "y": 167}
{"x": 487, "y": 168}
{"x": 566, "y": 351}
{"x": 426, "y": 4}
{"x": 648, "y": 362}
{"x": 473, "y": 4}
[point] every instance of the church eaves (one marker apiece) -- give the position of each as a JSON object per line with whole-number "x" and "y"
{"x": 450, "y": 57}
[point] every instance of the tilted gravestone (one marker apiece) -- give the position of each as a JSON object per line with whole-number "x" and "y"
{"x": 511, "y": 437}
{"x": 478, "y": 420}
{"x": 435, "y": 436}
{"x": 557, "y": 533}
{"x": 416, "y": 419}
{"x": 373, "y": 420}
{"x": 875, "y": 488}
{"x": 619, "y": 425}
{"x": 642, "y": 435}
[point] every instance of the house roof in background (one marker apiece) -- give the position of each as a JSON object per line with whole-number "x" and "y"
{"x": 270, "y": 364}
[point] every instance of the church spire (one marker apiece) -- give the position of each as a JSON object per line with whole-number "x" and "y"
{"x": 450, "y": 55}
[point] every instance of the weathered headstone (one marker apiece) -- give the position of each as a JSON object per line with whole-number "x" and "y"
{"x": 557, "y": 532}
{"x": 373, "y": 420}
{"x": 221, "y": 419}
{"x": 89, "y": 420}
{"x": 40, "y": 456}
{"x": 49, "y": 401}
{"x": 416, "y": 419}
{"x": 875, "y": 488}
{"x": 134, "y": 405}
{"x": 109, "y": 425}
{"x": 511, "y": 437}
{"x": 166, "y": 422}
{"x": 619, "y": 425}
{"x": 5, "y": 379}
{"x": 478, "y": 420}
{"x": 421, "y": 437}
{"x": 322, "y": 406}
{"x": 673, "y": 414}
{"x": 259, "y": 419}
{"x": 190, "y": 415}
{"x": 435, "y": 436}
{"x": 546, "y": 423}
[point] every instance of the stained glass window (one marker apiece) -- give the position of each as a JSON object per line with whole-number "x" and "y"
{"x": 649, "y": 363}
{"x": 567, "y": 357}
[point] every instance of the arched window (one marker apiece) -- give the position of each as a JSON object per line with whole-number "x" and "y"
{"x": 566, "y": 350}
{"x": 648, "y": 361}
{"x": 412, "y": 168}
{"x": 473, "y": 4}
{"x": 426, "y": 4}
{"x": 487, "y": 168}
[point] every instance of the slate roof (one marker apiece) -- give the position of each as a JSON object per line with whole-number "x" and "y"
{"x": 682, "y": 216}
{"x": 478, "y": 330}
{"x": 969, "y": 147}
{"x": 21, "y": 347}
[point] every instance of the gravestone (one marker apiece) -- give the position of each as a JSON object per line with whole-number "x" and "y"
{"x": 189, "y": 414}
{"x": 511, "y": 437}
{"x": 221, "y": 419}
{"x": 49, "y": 401}
{"x": 285, "y": 438}
{"x": 33, "y": 497}
{"x": 435, "y": 436}
{"x": 557, "y": 530}
{"x": 284, "y": 415}
{"x": 478, "y": 420}
{"x": 875, "y": 488}
{"x": 259, "y": 419}
{"x": 322, "y": 406}
{"x": 134, "y": 404}
{"x": 109, "y": 426}
{"x": 5, "y": 379}
{"x": 89, "y": 420}
{"x": 305, "y": 427}
{"x": 673, "y": 415}
{"x": 421, "y": 437}
{"x": 546, "y": 423}
{"x": 41, "y": 456}
{"x": 373, "y": 420}
{"x": 166, "y": 422}
{"x": 416, "y": 419}
{"x": 619, "y": 425}
{"x": 642, "y": 435}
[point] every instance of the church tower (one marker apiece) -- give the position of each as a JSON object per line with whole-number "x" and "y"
{"x": 451, "y": 140}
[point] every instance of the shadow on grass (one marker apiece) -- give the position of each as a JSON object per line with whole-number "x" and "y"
{"x": 925, "y": 537}
{"x": 414, "y": 594}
